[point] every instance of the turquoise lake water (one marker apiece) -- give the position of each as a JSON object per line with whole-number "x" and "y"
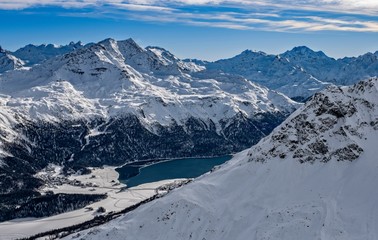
{"x": 134, "y": 174}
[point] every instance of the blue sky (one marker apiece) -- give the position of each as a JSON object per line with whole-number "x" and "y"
{"x": 204, "y": 29}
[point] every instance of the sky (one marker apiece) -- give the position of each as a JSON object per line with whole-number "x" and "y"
{"x": 202, "y": 29}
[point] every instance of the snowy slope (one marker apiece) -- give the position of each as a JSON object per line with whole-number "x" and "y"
{"x": 314, "y": 177}
{"x": 32, "y": 54}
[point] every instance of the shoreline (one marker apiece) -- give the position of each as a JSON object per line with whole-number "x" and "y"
{"x": 147, "y": 163}
{"x": 104, "y": 180}
{"x": 171, "y": 159}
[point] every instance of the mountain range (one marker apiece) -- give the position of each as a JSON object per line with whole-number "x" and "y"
{"x": 298, "y": 73}
{"x": 113, "y": 102}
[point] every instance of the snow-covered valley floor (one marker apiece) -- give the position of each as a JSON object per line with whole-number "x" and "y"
{"x": 104, "y": 180}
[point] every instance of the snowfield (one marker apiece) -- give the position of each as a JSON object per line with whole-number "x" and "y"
{"x": 314, "y": 177}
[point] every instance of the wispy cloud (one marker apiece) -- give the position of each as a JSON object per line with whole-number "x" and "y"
{"x": 141, "y": 7}
{"x": 346, "y": 6}
{"x": 268, "y": 15}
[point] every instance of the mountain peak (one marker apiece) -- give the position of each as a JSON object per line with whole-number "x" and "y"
{"x": 163, "y": 54}
{"x": 252, "y": 52}
{"x": 131, "y": 42}
{"x": 8, "y": 61}
{"x": 302, "y": 49}
{"x": 305, "y": 51}
{"x": 130, "y": 45}
{"x": 72, "y": 43}
{"x": 158, "y": 48}
{"x": 107, "y": 41}
{"x": 369, "y": 55}
{"x": 33, "y": 54}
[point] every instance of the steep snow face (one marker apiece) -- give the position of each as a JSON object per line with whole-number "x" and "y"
{"x": 314, "y": 177}
{"x": 166, "y": 58}
{"x": 154, "y": 60}
{"x": 33, "y": 54}
{"x": 198, "y": 62}
{"x": 9, "y": 62}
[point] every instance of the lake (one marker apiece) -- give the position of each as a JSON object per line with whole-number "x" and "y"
{"x": 137, "y": 173}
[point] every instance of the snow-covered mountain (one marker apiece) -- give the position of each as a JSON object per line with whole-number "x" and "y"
{"x": 32, "y": 54}
{"x": 112, "y": 102}
{"x": 273, "y": 71}
{"x": 344, "y": 71}
{"x": 361, "y": 67}
{"x": 8, "y": 61}
{"x": 313, "y": 177}
{"x": 300, "y": 72}
{"x": 196, "y": 61}
{"x": 121, "y": 77}
{"x": 317, "y": 64}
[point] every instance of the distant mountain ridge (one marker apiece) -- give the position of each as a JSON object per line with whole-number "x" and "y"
{"x": 32, "y": 54}
{"x": 8, "y": 61}
{"x": 298, "y": 73}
